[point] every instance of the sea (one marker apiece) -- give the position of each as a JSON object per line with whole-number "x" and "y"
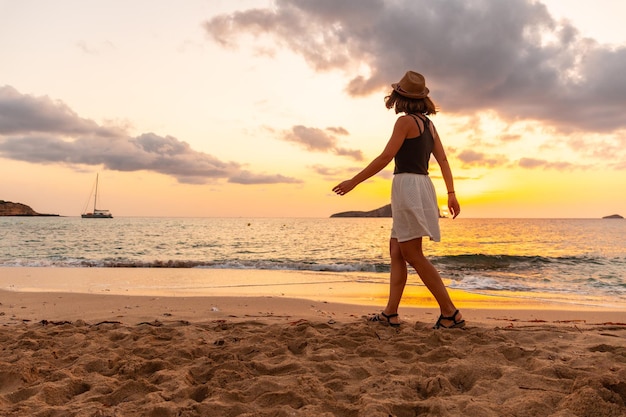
{"x": 577, "y": 261}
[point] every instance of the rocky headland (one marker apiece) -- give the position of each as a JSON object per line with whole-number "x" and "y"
{"x": 8, "y": 208}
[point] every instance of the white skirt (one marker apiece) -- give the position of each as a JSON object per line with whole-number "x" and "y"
{"x": 414, "y": 208}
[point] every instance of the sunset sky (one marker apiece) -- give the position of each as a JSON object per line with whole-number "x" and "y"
{"x": 258, "y": 108}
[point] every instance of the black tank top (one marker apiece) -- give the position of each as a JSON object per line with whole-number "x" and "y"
{"x": 414, "y": 154}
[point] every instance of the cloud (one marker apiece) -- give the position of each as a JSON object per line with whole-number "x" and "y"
{"x": 352, "y": 153}
{"x": 509, "y": 56}
{"x": 473, "y": 158}
{"x": 246, "y": 177}
{"x": 510, "y": 137}
{"x": 23, "y": 113}
{"x": 338, "y": 130}
{"x": 40, "y": 130}
{"x": 532, "y": 163}
{"x": 318, "y": 140}
{"x": 90, "y": 49}
{"x": 334, "y": 172}
{"x": 328, "y": 171}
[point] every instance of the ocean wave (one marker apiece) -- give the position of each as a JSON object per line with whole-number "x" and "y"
{"x": 581, "y": 276}
{"x": 482, "y": 283}
{"x": 226, "y": 264}
{"x": 464, "y": 262}
{"x": 501, "y": 262}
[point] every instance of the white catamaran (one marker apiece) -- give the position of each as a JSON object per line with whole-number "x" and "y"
{"x": 97, "y": 213}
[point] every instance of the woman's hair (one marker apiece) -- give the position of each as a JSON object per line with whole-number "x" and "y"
{"x": 410, "y": 105}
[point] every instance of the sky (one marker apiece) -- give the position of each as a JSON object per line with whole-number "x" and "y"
{"x": 258, "y": 108}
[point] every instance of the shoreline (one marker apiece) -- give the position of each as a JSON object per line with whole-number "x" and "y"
{"x": 34, "y": 307}
{"x": 32, "y": 295}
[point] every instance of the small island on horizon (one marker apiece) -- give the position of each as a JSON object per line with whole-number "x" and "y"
{"x": 385, "y": 211}
{"x": 8, "y": 208}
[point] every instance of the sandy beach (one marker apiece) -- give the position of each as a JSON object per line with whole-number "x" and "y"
{"x": 80, "y": 354}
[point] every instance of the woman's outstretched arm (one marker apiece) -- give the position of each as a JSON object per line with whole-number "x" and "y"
{"x": 398, "y": 135}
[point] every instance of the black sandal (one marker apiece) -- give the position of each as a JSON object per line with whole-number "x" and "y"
{"x": 386, "y": 318}
{"x": 457, "y": 324}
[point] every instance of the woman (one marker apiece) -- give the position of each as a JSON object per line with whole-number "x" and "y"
{"x": 413, "y": 201}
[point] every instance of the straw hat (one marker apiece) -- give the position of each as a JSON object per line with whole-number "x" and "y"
{"x": 412, "y": 85}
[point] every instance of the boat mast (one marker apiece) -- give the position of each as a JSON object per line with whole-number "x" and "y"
{"x": 95, "y": 199}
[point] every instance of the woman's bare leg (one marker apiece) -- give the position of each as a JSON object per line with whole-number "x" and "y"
{"x": 412, "y": 253}
{"x": 397, "y": 279}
